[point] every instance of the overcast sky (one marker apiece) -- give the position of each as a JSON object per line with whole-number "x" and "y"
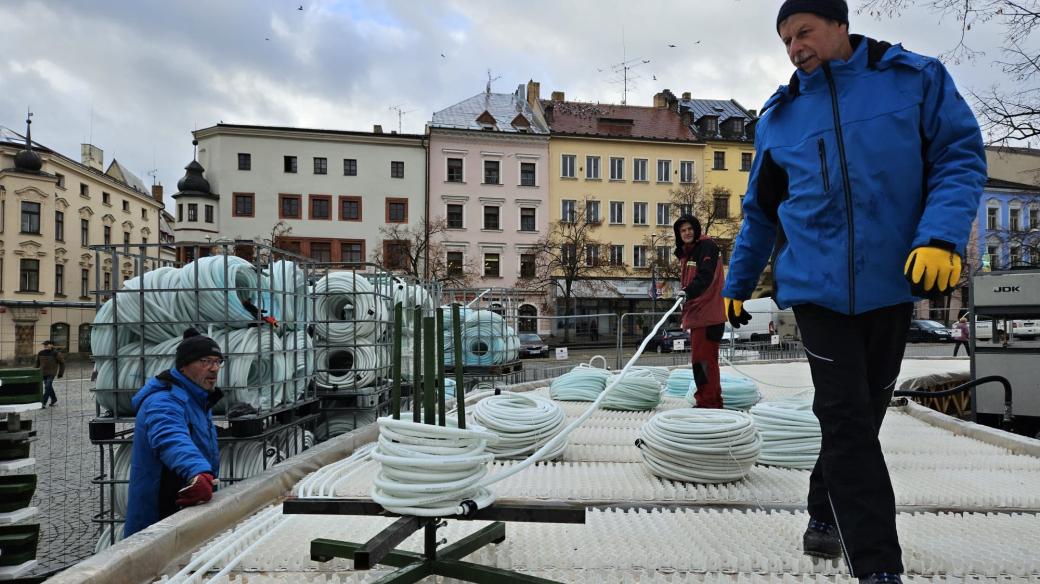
{"x": 134, "y": 77}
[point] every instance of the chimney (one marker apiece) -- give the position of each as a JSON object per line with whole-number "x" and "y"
{"x": 659, "y": 101}
{"x": 687, "y": 116}
{"x": 92, "y": 156}
{"x": 157, "y": 193}
{"x": 670, "y": 101}
{"x": 686, "y": 95}
{"x": 557, "y": 96}
{"x": 377, "y": 129}
{"x": 534, "y": 92}
{"x": 753, "y": 113}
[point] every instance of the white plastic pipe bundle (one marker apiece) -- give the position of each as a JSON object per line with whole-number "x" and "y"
{"x": 583, "y": 383}
{"x": 679, "y": 382}
{"x": 790, "y": 433}
{"x": 242, "y": 460}
{"x": 254, "y": 369}
{"x": 523, "y": 423}
{"x": 350, "y": 368}
{"x": 661, "y": 374}
{"x": 348, "y": 310}
{"x": 212, "y": 290}
{"x": 153, "y": 304}
{"x": 637, "y": 391}
{"x": 738, "y": 393}
{"x": 300, "y": 359}
{"x": 488, "y": 340}
{"x": 288, "y": 294}
{"x": 118, "y": 379}
{"x": 700, "y": 445}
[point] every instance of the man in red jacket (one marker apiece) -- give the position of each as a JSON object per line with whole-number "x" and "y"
{"x": 701, "y": 280}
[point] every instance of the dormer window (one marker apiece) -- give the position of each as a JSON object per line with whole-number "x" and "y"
{"x": 709, "y": 125}
{"x": 521, "y": 124}
{"x": 487, "y": 121}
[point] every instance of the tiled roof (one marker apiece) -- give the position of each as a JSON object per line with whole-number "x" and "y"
{"x": 616, "y": 121}
{"x": 503, "y": 107}
{"x": 723, "y": 108}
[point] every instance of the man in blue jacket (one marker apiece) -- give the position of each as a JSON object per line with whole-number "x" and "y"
{"x": 868, "y": 174}
{"x": 175, "y": 456}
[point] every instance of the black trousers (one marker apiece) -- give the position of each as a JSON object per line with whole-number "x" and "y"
{"x": 854, "y": 362}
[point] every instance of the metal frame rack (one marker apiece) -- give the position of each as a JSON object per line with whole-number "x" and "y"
{"x": 256, "y": 310}
{"x": 485, "y": 341}
{"x": 20, "y": 392}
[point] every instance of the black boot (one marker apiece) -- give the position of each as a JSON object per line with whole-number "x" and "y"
{"x": 821, "y": 540}
{"x": 881, "y": 578}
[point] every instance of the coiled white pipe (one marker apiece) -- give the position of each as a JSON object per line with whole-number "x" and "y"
{"x": 583, "y": 383}
{"x": 348, "y": 310}
{"x": 347, "y": 368}
{"x": 700, "y": 445}
{"x": 679, "y": 382}
{"x": 523, "y": 422}
{"x": 638, "y": 391}
{"x": 790, "y": 433}
{"x": 212, "y": 290}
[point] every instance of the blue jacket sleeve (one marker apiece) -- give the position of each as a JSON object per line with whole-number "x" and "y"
{"x": 168, "y": 435}
{"x": 955, "y": 162}
{"x": 757, "y": 233}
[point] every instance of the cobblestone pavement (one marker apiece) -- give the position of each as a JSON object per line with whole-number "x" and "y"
{"x": 66, "y": 462}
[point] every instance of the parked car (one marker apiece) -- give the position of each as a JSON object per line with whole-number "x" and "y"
{"x": 1020, "y": 329}
{"x": 664, "y": 341}
{"x": 765, "y": 316}
{"x": 532, "y": 345}
{"x": 928, "y": 331}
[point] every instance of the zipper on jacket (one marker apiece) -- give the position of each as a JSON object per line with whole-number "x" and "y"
{"x": 847, "y": 186}
{"x": 822, "y": 147}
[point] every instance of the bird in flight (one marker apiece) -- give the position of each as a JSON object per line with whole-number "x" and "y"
{"x": 671, "y": 46}
{"x": 301, "y": 7}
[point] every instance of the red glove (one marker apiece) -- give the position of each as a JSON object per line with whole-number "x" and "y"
{"x": 198, "y": 491}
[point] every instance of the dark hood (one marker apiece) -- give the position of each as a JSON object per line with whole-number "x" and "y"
{"x": 678, "y": 238}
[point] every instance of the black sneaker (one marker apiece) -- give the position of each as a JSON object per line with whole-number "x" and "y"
{"x": 881, "y": 578}
{"x": 821, "y": 540}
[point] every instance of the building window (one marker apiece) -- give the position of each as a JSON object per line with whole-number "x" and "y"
{"x": 663, "y": 212}
{"x": 30, "y": 217}
{"x": 349, "y": 167}
{"x": 395, "y": 254}
{"x": 180, "y": 212}
{"x": 639, "y": 213}
{"x": 59, "y": 279}
{"x": 492, "y": 265}
{"x": 720, "y": 161}
{"x": 592, "y": 167}
{"x": 84, "y": 191}
{"x": 321, "y": 251}
{"x": 209, "y": 213}
{"x": 397, "y": 169}
{"x": 568, "y": 212}
{"x": 59, "y": 226}
{"x": 491, "y": 172}
{"x": 352, "y": 252}
{"x": 592, "y": 211}
{"x": 456, "y": 216}
{"x": 106, "y": 198}
{"x": 1014, "y": 219}
{"x": 686, "y": 171}
{"x": 350, "y": 208}
{"x": 1034, "y": 218}
{"x": 527, "y": 265}
{"x": 664, "y": 171}
{"x": 84, "y": 232}
{"x": 290, "y": 207}
{"x": 720, "y": 206}
{"x": 567, "y": 165}
{"x": 592, "y": 254}
{"x": 245, "y": 161}
{"x": 126, "y": 206}
{"x": 144, "y": 214}
{"x": 617, "y": 255}
{"x": 527, "y": 174}
{"x": 491, "y": 217}
{"x": 84, "y": 282}
{"x": 994, "y": 256}
{"x": 126, "y": 242}
{"x": 61, "y": 179}
{"x": 320, "y": 207}
{"x": 321, "y": 165}
{"x": 527, "y": 219}
{"x": 992, "y": 218}
{"x": 662, "y": 255}
{"x": 455, "y": 170}
{"x": 639, "y": 169}
{"x": 29, "y": 276}
{"x": 107, "y": 237}
{"x": 568, "y": 254}
{"x": 243, "y": 205}
{"x": 454, "y": 260}
{"x": 397, "y": 210}
{"x": 617, "y": 168}
{"x": 193, "y": 212}
{"x": 745, "y": 161}
{"x": 107, "y": 282}
{"x": 289, "y": 164}
{"x": 617, "y": 212}
{"x": 1014, "y": 256}
{"x": 639, "y": 256}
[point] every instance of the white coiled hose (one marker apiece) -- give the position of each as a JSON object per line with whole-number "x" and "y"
{"x": 150, "y": 307}
{"x": 790, "y": 433}
{"x": 351, "y": 368}
{"x": 700, "y": 445}
{"x": 679, "y": 382}
{"x": 288, "y": 294}
{"x": 583, "y": 383}
{"x": 255, "y": 368}
{"x": 212, "y": 290}
{"x": 242, "y": 460}
{"x": 348, "y": 310}
{"x": 638, "y": 391}
{"x": 119, "y": 378}
{"x": 523, "y": 423}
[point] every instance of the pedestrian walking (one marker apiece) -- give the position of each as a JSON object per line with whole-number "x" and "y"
{"x": 51, "y": 364}
{"x": 961, "y": 336}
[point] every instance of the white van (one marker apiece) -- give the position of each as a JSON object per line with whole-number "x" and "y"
{"x": 766, "y": 320}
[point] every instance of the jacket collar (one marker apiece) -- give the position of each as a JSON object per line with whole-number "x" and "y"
{"x": 205, "y": 399}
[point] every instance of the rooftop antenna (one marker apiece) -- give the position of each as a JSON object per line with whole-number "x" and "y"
{"x": 487, "y": 89}
{"x": 622, "y": 68}
{"x": 154, "y": 173}
{"x": 400, "y": 112}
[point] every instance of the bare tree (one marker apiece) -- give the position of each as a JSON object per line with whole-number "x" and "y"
{"x": 408, "y": 253}
{"x": 571, "y": 252}
{"x": 1005, "y": 113}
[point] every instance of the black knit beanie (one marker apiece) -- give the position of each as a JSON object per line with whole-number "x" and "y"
{"x": 832, "y": 9}
{"x": 195, "y": 346}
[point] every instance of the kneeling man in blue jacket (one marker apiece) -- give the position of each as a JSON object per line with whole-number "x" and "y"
{"x": 868, "y": 172}
{"x": 175, "y": 454}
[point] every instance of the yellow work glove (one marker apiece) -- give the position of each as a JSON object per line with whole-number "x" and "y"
{"x": 735, "y": 312}
{"x": 932, "y": 271}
